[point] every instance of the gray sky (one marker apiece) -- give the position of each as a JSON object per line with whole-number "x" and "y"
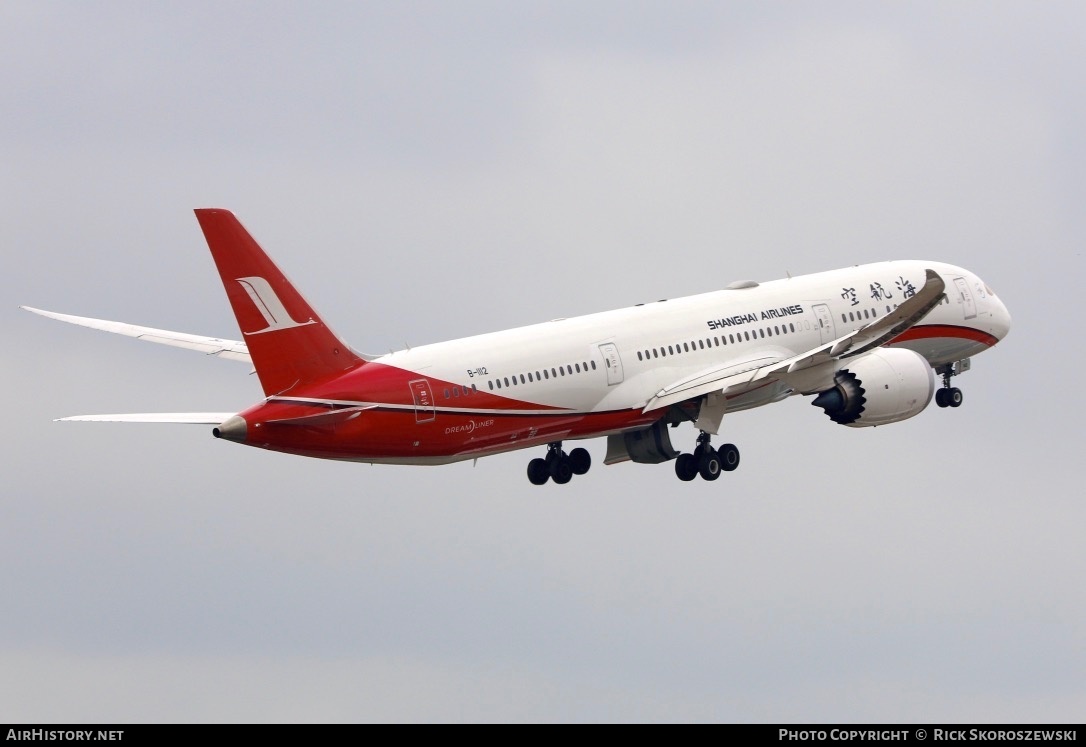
{"x": 425, "y": 171}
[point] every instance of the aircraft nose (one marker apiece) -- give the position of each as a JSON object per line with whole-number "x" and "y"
{"x": 1001, "y": 318}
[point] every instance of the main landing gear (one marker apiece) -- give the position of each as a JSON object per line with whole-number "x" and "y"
{"x": 558, "y": 465}
{"x": 706, "y": 461}
{"x": 950, "y": 396}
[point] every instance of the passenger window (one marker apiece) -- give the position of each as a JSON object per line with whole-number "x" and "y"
{"x": 594, "y": 362}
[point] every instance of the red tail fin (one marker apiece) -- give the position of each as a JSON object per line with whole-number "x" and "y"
{"x": 290, "y": 344}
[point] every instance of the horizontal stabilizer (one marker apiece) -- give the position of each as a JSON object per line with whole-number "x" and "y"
{"x": 230, "y": 349}
{"x": 190, "y": 418}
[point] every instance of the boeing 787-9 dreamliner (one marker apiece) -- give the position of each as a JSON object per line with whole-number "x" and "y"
{"x": 872, "y": 344}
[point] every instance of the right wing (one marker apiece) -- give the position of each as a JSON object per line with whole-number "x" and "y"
{"x": 736, "y": 377}
{"x": 230, "y": 349}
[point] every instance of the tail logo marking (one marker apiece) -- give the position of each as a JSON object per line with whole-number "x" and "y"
{"x": 269, "y": 305}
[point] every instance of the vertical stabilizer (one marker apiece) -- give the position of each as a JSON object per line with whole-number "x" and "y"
{"x": 290, "y": 344}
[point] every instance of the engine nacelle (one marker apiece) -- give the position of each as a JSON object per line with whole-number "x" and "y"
{"x": 886, "y": 385}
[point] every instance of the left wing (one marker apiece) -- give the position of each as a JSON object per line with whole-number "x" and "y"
{"x": 230, "y": 349}
{"x": 737, "y": 377}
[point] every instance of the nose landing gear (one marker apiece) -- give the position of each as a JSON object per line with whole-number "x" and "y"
{"x": 950, "y": 396}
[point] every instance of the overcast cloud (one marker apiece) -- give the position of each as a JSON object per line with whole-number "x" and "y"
{"x": 425, "y": 171}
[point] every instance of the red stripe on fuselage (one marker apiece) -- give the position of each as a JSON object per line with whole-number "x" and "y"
{"x": 393, "y": 426}
{"x": 398, "y": 434}
{"x": 928, "y": 331}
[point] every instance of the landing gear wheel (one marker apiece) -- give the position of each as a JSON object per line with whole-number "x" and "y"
{"x": 580, "y": 460}
{"x": 561, "y": 470}
{"x": 954, "y": 397}
{"x": 950, "y": 396}
{"x": 686, "y": 467}
{"x": 538, "y": 472}
{"x": 709, "y": 465}
{"x": 729, "y": 457}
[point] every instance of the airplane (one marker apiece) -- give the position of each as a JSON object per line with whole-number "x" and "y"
{"x": 866, "y": 342}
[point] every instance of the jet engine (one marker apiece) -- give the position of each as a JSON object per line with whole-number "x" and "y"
{"x": 884, "y": 386}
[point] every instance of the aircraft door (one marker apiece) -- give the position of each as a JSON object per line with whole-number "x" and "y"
{"x": 824, "y": 319}
{"x": 424, "y": 400}
{"x": 612, "y": 363}
{"x": 969, "y": 306}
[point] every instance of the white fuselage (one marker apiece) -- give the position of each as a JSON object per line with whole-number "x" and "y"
{"x": 661, "y": 342}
